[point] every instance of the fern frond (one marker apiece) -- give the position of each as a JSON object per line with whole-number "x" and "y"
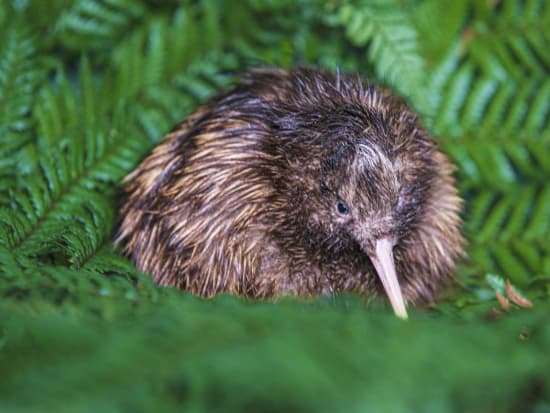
{"x": 511, "y": 38}
{"x": 20, "y": 76}
{"x": 269, "y": 37}
{"x": 64, "y": 207}
{"x": 161, "y": 106}
{"x": 519, "y": 213}
{"x": 106, "y": 275}
{"x": 509, "y": 232}
{"x": 166, "y": 79}
{"x": 438, "y": 23}
{"x": 471, "y": 102}
{"x": 496, "y": 77}
{"x": 99, "y": 24}
{"x": 390, "y": 38}
{"x": 498, "y": 162}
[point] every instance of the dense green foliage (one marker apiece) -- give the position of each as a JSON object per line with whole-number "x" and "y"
{"x": 87, "y": 87}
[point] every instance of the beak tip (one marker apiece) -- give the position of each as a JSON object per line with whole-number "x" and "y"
{"x": 398, "y": 306}
{"x": 382, "y": 260}
{"x": 402, "y": 314}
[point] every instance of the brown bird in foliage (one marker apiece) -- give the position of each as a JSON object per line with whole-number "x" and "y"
{"x": 296, "y": 182}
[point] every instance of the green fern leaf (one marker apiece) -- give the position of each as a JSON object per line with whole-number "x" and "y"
{"x": 508, "y": 235}
{"x": 106, "y": 274}
{"x": 98, "y": 24}
{"x": 512, "y": 37}
{"x": 20, "y": 75}
{"x": 64, "y": 207}
{"x": 390, "y": 38}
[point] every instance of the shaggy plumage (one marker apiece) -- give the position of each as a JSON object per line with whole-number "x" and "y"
{"x": 286, "y": 184}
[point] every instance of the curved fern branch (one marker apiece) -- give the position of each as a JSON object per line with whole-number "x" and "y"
{"x": 106, "y": 275}
{"x": 20, "y": 75}
{"x": 511, "y": 38}
{"x": 390, "y": 38}
{"x": 510, "y": 232}
{"x": 99, "y": 24}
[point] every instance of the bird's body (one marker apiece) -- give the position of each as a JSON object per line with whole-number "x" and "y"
{"x": 296, "y": 183}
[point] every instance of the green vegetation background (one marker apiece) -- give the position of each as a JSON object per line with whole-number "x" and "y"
{"x": 87, "y": 87}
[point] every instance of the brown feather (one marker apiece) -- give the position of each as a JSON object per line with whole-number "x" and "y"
{"x": 240, "y": 197}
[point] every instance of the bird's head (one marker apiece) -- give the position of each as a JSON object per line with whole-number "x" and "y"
{"x": 364, "y": 179}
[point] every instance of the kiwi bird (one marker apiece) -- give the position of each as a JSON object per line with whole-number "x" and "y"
{"x": 298, "y": 182}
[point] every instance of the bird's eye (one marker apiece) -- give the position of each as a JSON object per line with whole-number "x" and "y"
{"x": 342, "y": 208}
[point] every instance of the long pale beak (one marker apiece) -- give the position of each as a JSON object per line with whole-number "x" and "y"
{"x": 382, "y": 260}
